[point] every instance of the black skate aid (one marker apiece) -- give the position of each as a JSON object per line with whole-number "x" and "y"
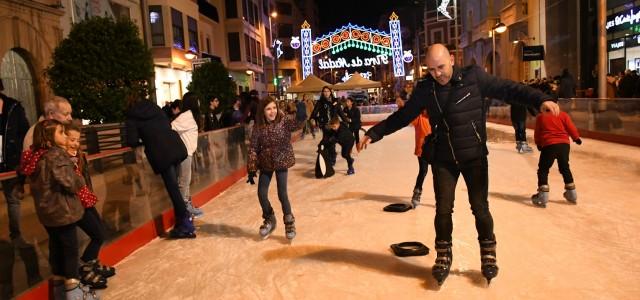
{"x": 441, "y": 268}
{"x": 488, "y": 259}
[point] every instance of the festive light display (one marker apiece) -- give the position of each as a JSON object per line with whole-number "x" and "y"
{"x": 381, "y": 43}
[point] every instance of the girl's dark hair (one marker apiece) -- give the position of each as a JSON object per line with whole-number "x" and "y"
{"x": 331, "y": 98}
{"x": 43, "y": 134}
{"x": 261, "y": 119}
{"x": 72, "y": 127}
{"x": 190, "y": 102}
{"x": 176, "y": 104}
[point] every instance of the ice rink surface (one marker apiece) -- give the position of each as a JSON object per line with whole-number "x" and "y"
{"x": 585, "y": 251}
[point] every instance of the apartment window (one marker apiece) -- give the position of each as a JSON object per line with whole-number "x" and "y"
{"x": 157, "y": 28}
{"x": 231, "y": 8}
{"x": 284, "y": 8}
{"x": 285, "y": 30}
{"x": 247, "y": 48}
{"x": 120, "y": 11}
{"x": 192, "y": 27}
{"x": 208, "y": 45}
{"x": 233, "y": 39}
{"x": 259, "y": 54}
{"x": 256, "y": 16}
{"x": 178, "y": 29}
{"x": 265, "y": 7}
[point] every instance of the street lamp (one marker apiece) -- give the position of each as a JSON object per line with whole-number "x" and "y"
{"x": 274, "y": 54}
{"x": 190, "y": 55}
{"x": 498, "y": 28}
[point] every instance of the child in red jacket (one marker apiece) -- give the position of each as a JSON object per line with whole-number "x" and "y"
{"x": 552, "y": 138}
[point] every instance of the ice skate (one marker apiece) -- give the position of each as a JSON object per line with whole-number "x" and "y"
{"x": 415, "y": 199}
{"x": 519, "y": 146}
{"x": 570, "y": 193}
{"x": 183, "y": 229}
{"x": 290, "y": 227}
{"x": 525, "y": 148}
{"x": 440, "y": 269}
{"x": 268, "y": 226}
{"x": 351, "y": 171}
{"x": 542, "y": 197}
{"x": 488, "y": 259}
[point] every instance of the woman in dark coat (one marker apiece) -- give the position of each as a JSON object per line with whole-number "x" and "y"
{"x": 148, "y": 125}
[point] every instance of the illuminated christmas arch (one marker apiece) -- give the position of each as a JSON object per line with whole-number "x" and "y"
{"x": 354, "y": 36}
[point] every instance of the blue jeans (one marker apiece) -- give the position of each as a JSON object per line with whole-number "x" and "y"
{"x": 476, "y": 176}
{"x": 263, "y": 192}
{"x": 13, "y": 206}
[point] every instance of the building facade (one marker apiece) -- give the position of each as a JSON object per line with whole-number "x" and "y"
{"x": 30, "y": 31}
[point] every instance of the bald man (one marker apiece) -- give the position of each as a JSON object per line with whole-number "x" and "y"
{"x": 56, "y": 108}
{"x": 453, "y": 97}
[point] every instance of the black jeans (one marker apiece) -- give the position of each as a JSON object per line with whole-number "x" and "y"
{"x": 422, "y": 172}
{"x": 170, "y": 178}
{"x": 356, "y": 134}
{"x": 92, "y": 225}
{"x": 476, "y": 176}
{"x": 345, "y": 152}
{"x": 547, "y": 156}
{"x": 263, "y": 192}
{"x": 13, "y": 206}
{"x": 521, "y": 130}
{"x": 63, "y": 250}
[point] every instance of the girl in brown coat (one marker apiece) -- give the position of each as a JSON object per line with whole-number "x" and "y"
{"x": 271, "y": 151}
{"x": 54, "y": 185}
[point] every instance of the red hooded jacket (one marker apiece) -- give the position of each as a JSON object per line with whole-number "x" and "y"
{"x": 551, "y": 130}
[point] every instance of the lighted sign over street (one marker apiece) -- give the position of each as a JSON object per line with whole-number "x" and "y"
{"x": 342, "y": 62}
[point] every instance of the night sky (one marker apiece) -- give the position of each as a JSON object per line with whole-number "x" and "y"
{"x": 335, "y": 13}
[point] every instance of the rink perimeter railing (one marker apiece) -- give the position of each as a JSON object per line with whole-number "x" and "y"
{"x": 132, "y": 202}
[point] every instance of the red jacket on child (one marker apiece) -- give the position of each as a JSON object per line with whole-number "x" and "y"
{"x": 552, "y": 130}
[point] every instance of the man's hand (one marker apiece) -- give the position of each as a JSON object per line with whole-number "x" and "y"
{"x": 366, "y": 140}
{"x": 250, "y": 178}
{"x": 550, "y": 106}
{"x": 578, "y": 141}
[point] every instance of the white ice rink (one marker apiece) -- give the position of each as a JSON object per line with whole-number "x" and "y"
{"x": 585, "y": 251}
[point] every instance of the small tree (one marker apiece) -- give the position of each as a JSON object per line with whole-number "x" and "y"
{"x": 212, "y": 80}
{"x": 97, "y": 65}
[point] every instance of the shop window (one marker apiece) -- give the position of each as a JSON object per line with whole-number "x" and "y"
{"x": 192, "y": 27}
{"x": 178, "y": 29}
{"x": 156, "y": 24}
{"x": 233, "y": 39}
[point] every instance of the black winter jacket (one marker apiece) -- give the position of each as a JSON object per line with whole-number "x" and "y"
{"x": 324, "y": 111}
{"x": 13, "y": 134}
{"x": 461, "y": 133}
{"x": 163, "y": 146}
{"x": 354, "y": 116}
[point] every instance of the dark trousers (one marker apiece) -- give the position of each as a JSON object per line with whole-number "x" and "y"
{"x": 476, "y": 176}
{"x": 92, "y": 225}
{"x": 63, "y": 250}
{"x": 13, "y": 206}
{"x": 423, "y": 167}
{"x": 345, "y": 152}
{"x": 263, "y": 192}
{"x": 521, "y": 130}
{"x": 356, "y": 134}
{"x": 170, "y": 178}
{"x": 547, "y": 156}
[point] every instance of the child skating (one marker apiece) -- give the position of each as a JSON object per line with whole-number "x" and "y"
{"x": 552, "y": 138}
{"x": 271, "y": 152}
{"x": 343, "y": 136}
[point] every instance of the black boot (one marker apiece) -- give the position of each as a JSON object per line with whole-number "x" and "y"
{"x": 488, "y": 259}
{"x": 415, "y": 199}
{"x": 290, "y": 226}
{"x": 441, "y": 268}
{"x": 268, "y": 226}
